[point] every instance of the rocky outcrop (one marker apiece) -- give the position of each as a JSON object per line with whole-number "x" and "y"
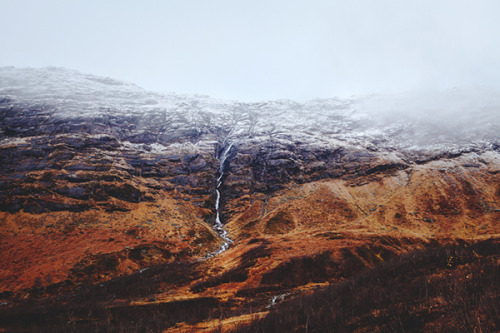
{"x": 90, "y": 159}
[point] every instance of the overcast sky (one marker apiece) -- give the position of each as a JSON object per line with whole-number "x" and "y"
{"x": 261, "y": 49}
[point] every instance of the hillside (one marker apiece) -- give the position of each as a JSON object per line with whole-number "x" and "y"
{"x": 109, "y": 198}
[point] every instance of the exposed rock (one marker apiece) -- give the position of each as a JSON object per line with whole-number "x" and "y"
{"x": 317, "y": 191}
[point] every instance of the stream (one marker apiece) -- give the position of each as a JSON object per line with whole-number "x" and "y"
{"x": 218, "y": 225}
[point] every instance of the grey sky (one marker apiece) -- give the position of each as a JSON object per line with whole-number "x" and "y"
{"x": 256, "y": 50}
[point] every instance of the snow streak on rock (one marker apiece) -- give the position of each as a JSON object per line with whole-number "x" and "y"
{"x": 450, "y": 121}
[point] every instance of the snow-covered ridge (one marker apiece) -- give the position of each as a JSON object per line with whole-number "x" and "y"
{"x": 448, "y": 120}
{"x": 72, "y": 91}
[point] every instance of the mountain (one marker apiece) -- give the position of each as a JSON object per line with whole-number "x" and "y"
{"x": 133, "y": 208}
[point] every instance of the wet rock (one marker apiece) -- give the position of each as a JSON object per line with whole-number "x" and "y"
{"x": 126, "y": 192}
{"x": 386, "y": 168}
{"x": 76, "y": 192}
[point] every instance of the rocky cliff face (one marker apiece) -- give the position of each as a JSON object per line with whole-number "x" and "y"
{"x": 87, "y": 127}
{"x": 99, "y": 178}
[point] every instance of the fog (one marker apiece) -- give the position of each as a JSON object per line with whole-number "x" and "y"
{"x": 454, "y": 118}
{"x": 260, "y": 50}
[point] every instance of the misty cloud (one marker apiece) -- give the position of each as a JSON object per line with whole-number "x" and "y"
{"x": 256, "y": 50}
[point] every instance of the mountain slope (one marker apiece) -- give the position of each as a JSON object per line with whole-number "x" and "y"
{"x": 105, "y": 184}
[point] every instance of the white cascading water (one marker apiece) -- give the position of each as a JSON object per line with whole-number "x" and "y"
{"x": 218, "y": 226}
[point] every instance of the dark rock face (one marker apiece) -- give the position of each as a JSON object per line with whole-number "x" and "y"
{"x": 88, "y": 160}
{"x": 73, "y": 146}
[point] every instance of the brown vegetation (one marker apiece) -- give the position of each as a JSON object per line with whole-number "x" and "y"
{"x": 450, "y": 288}
{"x": 142, "y": 266}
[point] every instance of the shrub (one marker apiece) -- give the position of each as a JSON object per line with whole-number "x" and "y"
{"x": 402, "y": 294}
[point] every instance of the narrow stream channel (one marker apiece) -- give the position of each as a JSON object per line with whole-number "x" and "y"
{"x": 218, "y": 225}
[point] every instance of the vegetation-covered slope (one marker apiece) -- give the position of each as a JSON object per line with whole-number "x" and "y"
{"x": 108, "y": 201}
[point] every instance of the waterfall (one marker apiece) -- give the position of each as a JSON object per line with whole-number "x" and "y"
{"x": 218, "y": 225}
